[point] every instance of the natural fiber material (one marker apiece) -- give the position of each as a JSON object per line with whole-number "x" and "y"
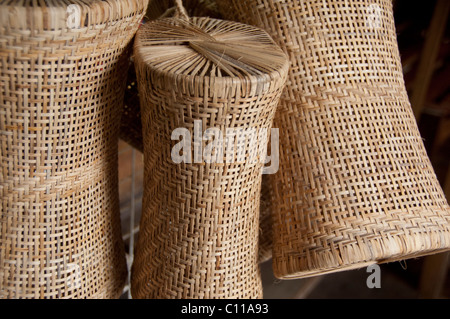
{"x": 62, "y": 66}
{"x": 131, "y": 128}
{"x": 198, "y": 234}
{"x": 355, "y": 185}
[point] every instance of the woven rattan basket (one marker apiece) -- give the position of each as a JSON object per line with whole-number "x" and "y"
{"x": 355, "y": 185}
{"x": 198, "y": 235}
{"x": 131, "y": 127}
{"x": 62, "y": 67}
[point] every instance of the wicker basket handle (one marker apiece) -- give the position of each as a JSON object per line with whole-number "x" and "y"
{"x": 180, "y": 11}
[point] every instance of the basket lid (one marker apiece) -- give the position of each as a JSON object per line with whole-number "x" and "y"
{"x": 213, "y": 48}
{"x": 62, "y": 14}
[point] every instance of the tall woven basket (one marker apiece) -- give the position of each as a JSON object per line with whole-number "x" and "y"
{"x": 131, "y": 126}
{"x": 355, "y": 185}
{"x": 62, "y": 66}
{"x": 198, "y": 234}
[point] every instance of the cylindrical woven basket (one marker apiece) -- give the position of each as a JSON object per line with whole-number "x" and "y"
{"x": 355, "y": 185}
{"x": 131, "y": 127}
{"x": 198, "y": 235}
{"x": 62, "y": 67}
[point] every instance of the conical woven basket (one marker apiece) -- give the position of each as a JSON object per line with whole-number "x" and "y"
{"x": 198, "y": 235}
{"x": 62, "y": 66}
{"x": 355, "y": 185}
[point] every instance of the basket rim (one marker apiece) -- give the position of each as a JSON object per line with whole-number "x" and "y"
{"x": 30, "y": 15}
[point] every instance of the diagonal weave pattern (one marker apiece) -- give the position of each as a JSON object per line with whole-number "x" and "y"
{"x": 62, "y": 82}
{"x": 355, "y": 185}
{"x": 198, "y": 234}
{"x": 131, "y": 127}
{"x": 131, "y": 130}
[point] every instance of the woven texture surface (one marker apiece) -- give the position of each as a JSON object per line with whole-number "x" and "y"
{"x": 131, "y": 127}
{"x": 199, "y": 228}
{"x": 355, "y": 185}
{"x": 62, "y": 82}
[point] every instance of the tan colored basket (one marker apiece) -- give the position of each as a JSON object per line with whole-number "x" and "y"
{"x": 131, "y": 128}
{"x": 198, "y": 235}
{"x": 355, "y": 185}
{"x": 62, "y": 81}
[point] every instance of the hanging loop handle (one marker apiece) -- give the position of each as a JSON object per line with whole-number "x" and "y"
{"x": 180, "y": 11}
